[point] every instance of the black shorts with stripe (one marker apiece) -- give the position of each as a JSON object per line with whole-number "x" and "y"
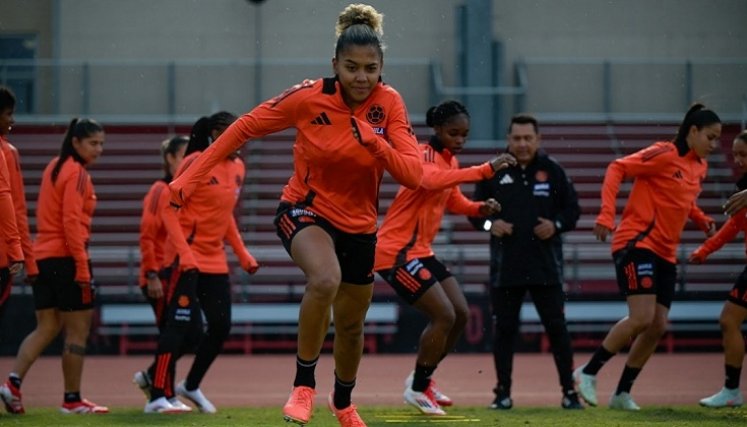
{"x": 738, "y": 293}
{"x": 415, "y": 277}
{"x": 55, "y": 287}
{"x": 355, "y": 252}
{"x": 642, "y": 272}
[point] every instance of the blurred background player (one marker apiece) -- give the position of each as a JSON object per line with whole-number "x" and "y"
{"x": 734, "y": 312}
{"x": 157, "y": 252}
{"x": 64, "y": 294}
{"x": 14, "y": 226}
{"x": 202, "y": 283}
{"x": 328, "y": 211}
{"x": 539, "y": 203}
{"x": 667, "y": 179}
{"x": 405, "y": 259}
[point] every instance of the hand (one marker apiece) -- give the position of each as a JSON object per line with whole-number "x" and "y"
{"x": 490, "y": 207}
{"x": 250, "y": 265}
{"x": 501, "y": 228}
{"x": 601, "y": 232}
{"x": 363, "y": 132}
{"x": 502, "y": 161}
{"x": 736, "y": 202}
{"x": 545, "y": 229}
{"x": 155, "y": 288}
{"x": 697, "y": 257}
{"x": 16, "y": 267}
{"x": 711, "y": 229}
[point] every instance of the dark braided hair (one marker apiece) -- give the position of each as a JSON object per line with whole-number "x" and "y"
{"x": 360, "y": 25}
{"x": 201, "y": 136}
{"x": 699, "y": 116}
{"x": 7, "y": 98}
{"x": 443, "y": 112}
{"x": 78, "y": 128}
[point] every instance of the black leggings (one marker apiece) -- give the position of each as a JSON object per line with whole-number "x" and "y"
{"x": 548, "y": 301}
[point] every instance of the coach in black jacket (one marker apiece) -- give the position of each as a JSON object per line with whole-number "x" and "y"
{"x": 538, "y": 204}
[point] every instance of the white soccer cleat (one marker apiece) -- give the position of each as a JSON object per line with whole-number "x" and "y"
{"x": 441, "y": 399}
{"x": 160, "y": 406}
{"x": 623, "y": 401}
{"x": 196, "y": 397}
{"x": 726, "y": 397}
{"x": 587, "y": 385}
{"x": 424, "y": 401}
{"x": 142, "y": 380}
{"x": 179, "y": 405}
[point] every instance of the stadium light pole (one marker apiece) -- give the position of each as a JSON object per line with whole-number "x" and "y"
{"x": 258, "y": 50}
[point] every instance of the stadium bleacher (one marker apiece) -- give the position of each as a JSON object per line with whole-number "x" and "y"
{"x": 131, "y": 163}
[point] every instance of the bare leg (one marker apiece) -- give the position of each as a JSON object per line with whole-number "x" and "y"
{"x": 461, "y": 312}
{"x": 48, "y": 326}
{"x": 641, "y": 312}
{"x": 732, "y": 317}
{"x": 77, "y": 325}
{"x": 350, "y": 308}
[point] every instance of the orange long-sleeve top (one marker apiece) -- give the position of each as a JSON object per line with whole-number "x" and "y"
{"x": 64, "y": 212}
{"x": 18, "y": 194}
{"x": 207, "y": 220}
{"x": 414, "y": 217}
{"x": 665, "y": 188}
{"x": 334, "y": 175}
{"x": 161, "y": 239}
{"x": 11, "y": 240}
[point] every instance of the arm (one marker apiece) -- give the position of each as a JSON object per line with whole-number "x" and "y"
{"x": 269, "y": 117}
{"x": 483, "y": 191}
{"x": 18, "y": 195}
{"x": 435, "y": 178}
{"x": 73, "y": 198}
{"x": 458, "y": 203}
{"x": 170, "y": 220}
{"x": 704, "y": 222}
{"x": 246, "y": 260}
{"x": 150, "y": 223}
{"x": 725, "y": 234}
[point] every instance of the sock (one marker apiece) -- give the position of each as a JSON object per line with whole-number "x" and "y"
{"x": 72, "y": 396}
{"x": 422, "y": 377}
{"x": 305, "y": 372}
{"x": 629, "y": 375}
{"x": 600, "y": 357}
{"x": 342, "y": 394}
{"x": 15, "y": 380}
{"x": 732, "y": 376}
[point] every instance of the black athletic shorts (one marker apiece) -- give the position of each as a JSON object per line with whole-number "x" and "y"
{"x": 413, "y": 279}
{"x": 642, "y": 272}
{"x": 55, "y": 287}
{"x": 738, "y": 294}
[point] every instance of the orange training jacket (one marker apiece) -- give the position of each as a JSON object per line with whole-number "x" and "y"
{"x": 11, "y": 245}
{"x": 18, "y": 194}
{"x": 414, "y": 217}
{"x": 663, "y": 196}
{"x": 727, "y": 232}
{"x": 207, "y": 220}
{"x": 334, "y": 175}
{"x": 63, "y": 215}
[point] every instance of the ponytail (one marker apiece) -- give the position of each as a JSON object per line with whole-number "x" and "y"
{"x": 699, "y": 116}
{"x": 78, "y": 128}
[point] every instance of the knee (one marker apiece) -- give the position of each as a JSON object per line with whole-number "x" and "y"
{"x": 658, "y": 327}
{"x": 445, "y": 320}
{"x": 640, "y": 323}
{"x": 323, "y": 286}
{"x": 461, "y": 314}
{"x": 349, "y": 328}
{"x": 728, "y": 324}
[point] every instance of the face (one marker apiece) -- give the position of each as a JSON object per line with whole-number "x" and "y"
{"x": 523, "y": 143}
{"x": 174, "y": 160}
{"x": 703, "y": 141}
{"x": 90, "y": 147}
{"x": 453, "y": 133}
{"x": 6, "y": 120}
{"x": 358, "y": 68}
{"x": 739, "y": 150}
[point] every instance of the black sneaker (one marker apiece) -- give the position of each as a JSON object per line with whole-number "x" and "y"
{"x": 570, "y": 401}
{"x": 502, "y": 399}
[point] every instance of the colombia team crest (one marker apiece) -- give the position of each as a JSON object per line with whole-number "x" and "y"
{"x": 375, "y": 114}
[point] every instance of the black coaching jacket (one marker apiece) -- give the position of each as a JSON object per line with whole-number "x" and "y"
{"x": 542, "y": 189}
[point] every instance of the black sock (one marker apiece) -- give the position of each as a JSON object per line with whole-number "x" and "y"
{"x": 600, "y": 357}
{"x": 732, "y": 376}
{"x": 305, "y": 372}
{"x": 422, "y": 377}
{"x": 15, "y": 380}
{"x": 629, "y": 375}
{"x": 72, "y": 396}
{"x": 342, "y": 394}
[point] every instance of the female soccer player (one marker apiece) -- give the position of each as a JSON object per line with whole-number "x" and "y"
{"x": 667, "y": 179}
{"x": 350, "y": 128}
{"x": 405, "y": 259}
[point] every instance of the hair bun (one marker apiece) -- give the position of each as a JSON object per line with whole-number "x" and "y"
{"x": 360, "y": 13}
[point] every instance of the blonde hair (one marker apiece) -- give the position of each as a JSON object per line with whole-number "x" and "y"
{"x": 360, "y": 13}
